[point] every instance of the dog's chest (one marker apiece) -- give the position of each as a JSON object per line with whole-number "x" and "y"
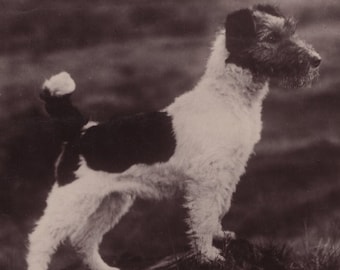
{"x": 226, "y": 134}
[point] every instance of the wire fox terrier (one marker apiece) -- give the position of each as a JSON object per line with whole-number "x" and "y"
{"x": 200, "y": 143}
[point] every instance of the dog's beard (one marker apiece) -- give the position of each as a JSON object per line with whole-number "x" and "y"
{"x": 298, "y": 81}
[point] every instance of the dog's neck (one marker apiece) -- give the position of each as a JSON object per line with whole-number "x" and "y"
{"x": 221, "y": 77}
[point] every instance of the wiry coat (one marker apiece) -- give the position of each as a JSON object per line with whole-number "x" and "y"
{"x": 213, "y": 129}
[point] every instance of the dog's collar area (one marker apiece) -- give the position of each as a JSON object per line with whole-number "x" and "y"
{"x": 242, "y": 63}
{"x": 257, "y": 76}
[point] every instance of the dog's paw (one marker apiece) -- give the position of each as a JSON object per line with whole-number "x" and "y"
{"x": 211, "y": 255}
{"x": 225, "y": 235}
{"x": 59, "y": 85}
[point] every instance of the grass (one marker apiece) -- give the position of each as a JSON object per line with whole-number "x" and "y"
{"x": 243, "y": 255}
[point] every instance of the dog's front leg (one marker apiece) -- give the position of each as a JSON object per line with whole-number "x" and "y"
{"x": 208, "y": 197}
{"x": 204, "y": 206}
{"x": 220, "y": 234}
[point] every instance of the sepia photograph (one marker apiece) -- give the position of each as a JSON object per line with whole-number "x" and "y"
{"x": 170, "y": 135}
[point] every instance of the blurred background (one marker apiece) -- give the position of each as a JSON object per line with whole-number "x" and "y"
{"x": 128, "y": 56}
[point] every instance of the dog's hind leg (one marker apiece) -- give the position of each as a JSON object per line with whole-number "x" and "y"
{"x": 42, "y": 244}
{"x": 50, "y": 230}
{"x": 88, "y": 237}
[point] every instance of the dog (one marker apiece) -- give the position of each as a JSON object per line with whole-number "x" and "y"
{"x": 200, "y": 143}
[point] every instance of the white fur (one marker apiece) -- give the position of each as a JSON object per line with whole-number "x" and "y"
{"x": 216, "y": 126}
{"x": 60, "y": 84}
{"x": 89, "y": 124}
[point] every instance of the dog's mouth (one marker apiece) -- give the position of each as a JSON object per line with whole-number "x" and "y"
{"x": 298, "y": 81}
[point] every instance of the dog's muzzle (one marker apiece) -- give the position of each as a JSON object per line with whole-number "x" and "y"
{"x": 315, "y": 61}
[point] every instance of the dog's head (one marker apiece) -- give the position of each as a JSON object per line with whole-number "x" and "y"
{"x": 264, "y": 41}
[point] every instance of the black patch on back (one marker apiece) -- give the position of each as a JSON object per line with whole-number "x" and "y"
{"x": 272, "y": 10}
{"x": 68, "y": 163}
{"x": 122, "y": 142}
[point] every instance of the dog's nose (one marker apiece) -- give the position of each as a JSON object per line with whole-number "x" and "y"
{"x": 315, "y": 61}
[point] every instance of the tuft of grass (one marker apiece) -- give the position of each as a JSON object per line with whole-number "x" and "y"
{"x": 243, "y": 255}
{"x": 324, "y": 256}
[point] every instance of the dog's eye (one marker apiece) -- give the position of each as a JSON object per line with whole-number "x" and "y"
{"x": 273, "y": 38}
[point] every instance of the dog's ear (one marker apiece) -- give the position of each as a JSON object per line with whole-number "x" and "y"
{"x": 269, "y": 9}
{"x": 240, "y": 30}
